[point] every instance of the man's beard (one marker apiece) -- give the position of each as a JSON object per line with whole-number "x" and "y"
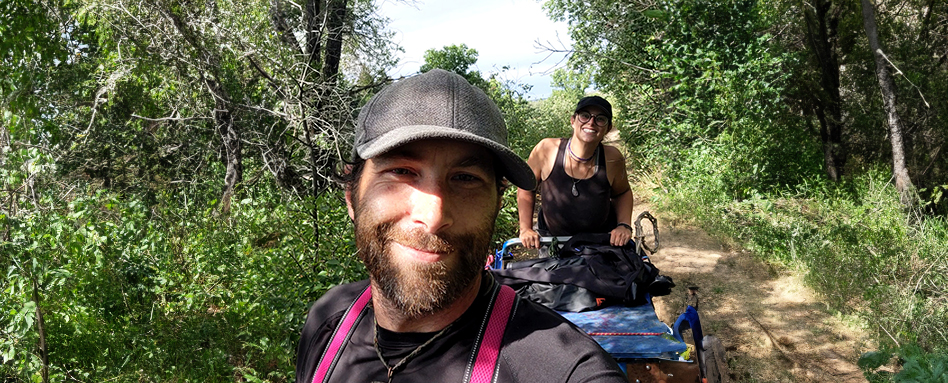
{"x": 415, "y": 288}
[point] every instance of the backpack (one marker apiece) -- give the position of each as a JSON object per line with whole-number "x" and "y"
{"x": 588, "y": 274}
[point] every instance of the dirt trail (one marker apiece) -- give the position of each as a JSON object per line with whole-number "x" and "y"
{"x": 774, "y": 328}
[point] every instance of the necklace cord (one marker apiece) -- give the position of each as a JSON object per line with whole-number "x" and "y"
{"x": 573, "y": 190}
{"x": 401, "y": 363}
{"x": 569, "y": 148}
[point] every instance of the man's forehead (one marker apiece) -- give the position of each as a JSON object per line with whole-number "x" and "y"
{"x": 460, "y": 153}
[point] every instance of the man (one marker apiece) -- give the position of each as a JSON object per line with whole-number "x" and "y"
{"x": 430, "y": 156}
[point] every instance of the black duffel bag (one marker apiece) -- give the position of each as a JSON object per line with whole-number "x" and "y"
{"x": 588, "y": 274}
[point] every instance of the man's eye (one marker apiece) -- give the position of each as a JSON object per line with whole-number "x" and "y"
{"x": 467, "y": 178}
{"x": 400, "y": 171}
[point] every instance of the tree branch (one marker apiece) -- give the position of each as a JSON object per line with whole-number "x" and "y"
{"x": 171, "y": 118}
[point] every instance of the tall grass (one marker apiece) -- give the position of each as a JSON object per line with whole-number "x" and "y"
{"x": 855, "y": 244}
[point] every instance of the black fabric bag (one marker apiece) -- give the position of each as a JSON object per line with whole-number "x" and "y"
{"x": 588, "y": 274}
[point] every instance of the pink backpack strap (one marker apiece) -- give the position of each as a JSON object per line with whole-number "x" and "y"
{"x": 341, "y": 335}
{"x": 485, "y": 363}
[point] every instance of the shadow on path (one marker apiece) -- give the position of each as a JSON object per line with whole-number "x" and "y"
{"x": 773, "y": 327}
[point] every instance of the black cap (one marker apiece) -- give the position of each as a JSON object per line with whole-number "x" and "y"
{"x": 595, "y": 101}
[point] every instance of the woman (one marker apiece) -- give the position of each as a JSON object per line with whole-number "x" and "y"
{"x": 583, "y": 186}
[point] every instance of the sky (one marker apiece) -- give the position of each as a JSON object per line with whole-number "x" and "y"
{"x": 504, "y": 32}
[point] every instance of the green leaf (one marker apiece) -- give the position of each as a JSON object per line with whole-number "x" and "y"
{"x": 656, "y": 14}
{"x": 8, "y": 355}
{"x": 873, "y": 360}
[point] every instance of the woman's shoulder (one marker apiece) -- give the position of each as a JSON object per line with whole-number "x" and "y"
{"x": 612, "y": 153}
{"x": 550, "y": 142}
{"x": 546, "y": 147}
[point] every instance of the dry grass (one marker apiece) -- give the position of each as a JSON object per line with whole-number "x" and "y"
{"x": 774, "y": 328}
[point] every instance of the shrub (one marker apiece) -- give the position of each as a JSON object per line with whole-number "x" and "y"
{"x": 853, "y": 241}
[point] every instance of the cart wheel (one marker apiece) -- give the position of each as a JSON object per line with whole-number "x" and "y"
{"x": 714, "y": 361}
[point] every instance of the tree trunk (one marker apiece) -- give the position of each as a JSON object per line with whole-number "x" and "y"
{"x": 926, "y": 21}
{"x": 223, "y": 117}
{"x": 230, "y": 135}
{"x": 313, "y": 23}
{"x": 41, "y": 329}
{"x": 887, "y": 86}
{"x": 278, "y": 17}
{"x": 332, "y": 27}
{"x": 821, "y": 27}
{"x": 335, "y": 29}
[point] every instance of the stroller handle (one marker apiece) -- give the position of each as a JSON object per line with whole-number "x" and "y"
{"x": 543, "y": 241}
{"x": 497, "y": 260}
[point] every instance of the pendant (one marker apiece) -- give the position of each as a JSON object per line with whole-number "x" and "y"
{"x": 575, "y": 191}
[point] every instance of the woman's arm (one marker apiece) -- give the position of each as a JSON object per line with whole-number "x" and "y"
{"x": 526, "y": 202}
{"x": 622, "y": 197}
{"x": 526, "y": 199}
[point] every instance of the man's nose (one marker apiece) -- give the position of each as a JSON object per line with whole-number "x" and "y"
{"x": 430, "y": 207}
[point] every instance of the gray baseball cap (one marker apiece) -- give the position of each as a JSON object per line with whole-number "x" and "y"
{"x": 437, "y": 105}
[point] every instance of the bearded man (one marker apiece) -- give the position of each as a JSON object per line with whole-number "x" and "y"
{"x": 430, "y": 163}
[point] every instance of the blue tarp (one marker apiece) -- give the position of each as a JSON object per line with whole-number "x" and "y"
{"x": 637, "y": 332}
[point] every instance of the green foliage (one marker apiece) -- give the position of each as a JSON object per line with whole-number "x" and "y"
{"x": 551, "y": 115}
{"x": 852, "y": 241}
{"x": 137, "y": 275}
{"x": 916, "y": 366}
{"x": 34, "y": 42}
{"x": 457, "y": 59}
{"x": 698, "y": 85}
{"x": 713, "y": 100}
{"x": 168, "y": 292}
{"x": 527, "y": 124}
{"x": 110, "y": 168}
{"x": 915, "y": 72}
{"x": 522, "y": 135}
{"x": 507, "y": 223}
{"x": 873, "y": 360}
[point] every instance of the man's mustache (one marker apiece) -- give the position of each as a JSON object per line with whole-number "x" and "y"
{"x": 420, "y": 240}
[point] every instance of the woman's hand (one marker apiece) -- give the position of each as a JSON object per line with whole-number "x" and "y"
{"x": 530, "y": 238}
{"x": 618, "y": 236}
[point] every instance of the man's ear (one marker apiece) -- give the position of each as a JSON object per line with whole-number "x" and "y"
{"x": 349, "y": 203}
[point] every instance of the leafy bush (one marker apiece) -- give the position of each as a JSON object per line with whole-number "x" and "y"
{"x": 852, "y": 240}
{"x": 167, "y": 292}
{"x": 916, "y": 366}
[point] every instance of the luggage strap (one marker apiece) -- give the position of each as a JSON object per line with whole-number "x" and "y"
{"x": 488, "y": 345}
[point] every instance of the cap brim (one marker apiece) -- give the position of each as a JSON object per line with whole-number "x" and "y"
{"x": 515, "y": 168}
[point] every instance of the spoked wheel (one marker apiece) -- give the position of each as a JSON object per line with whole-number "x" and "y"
{"x": 713, "y": 360}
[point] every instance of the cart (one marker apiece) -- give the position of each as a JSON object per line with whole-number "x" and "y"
{"x": 646, "y": 349}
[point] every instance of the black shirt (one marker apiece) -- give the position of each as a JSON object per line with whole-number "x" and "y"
{"x": 589, "y": 210}
{"x": 538, "y": 345}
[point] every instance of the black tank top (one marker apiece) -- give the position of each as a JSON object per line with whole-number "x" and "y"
{"x": 562, "y": 213}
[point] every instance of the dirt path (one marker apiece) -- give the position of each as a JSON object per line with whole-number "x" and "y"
{"x": 774, "y": 329}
